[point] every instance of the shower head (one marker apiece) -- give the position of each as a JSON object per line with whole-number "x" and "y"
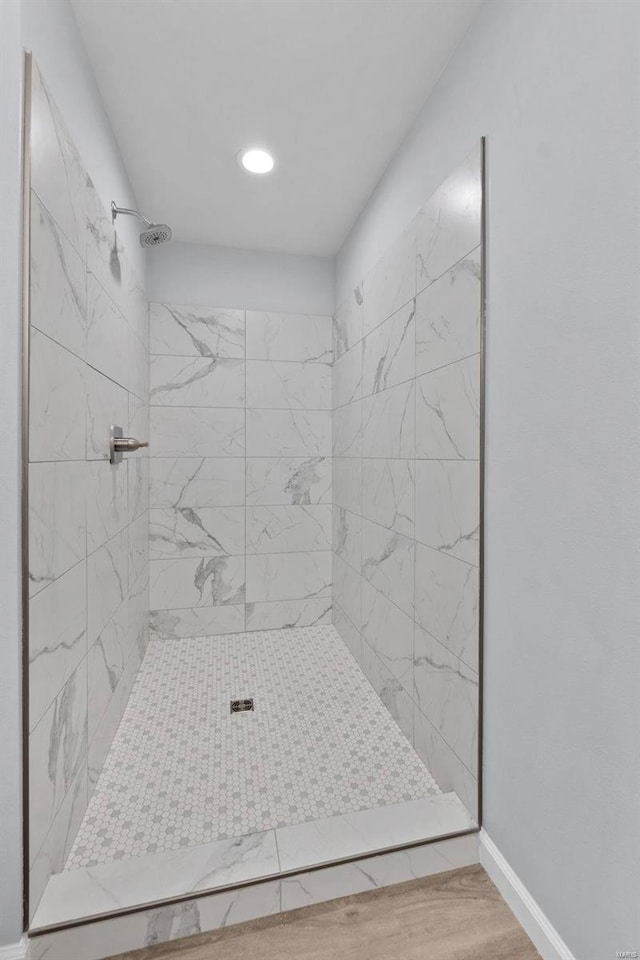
{"x": 155, "y": 234}
{"x": 152, "y": 235}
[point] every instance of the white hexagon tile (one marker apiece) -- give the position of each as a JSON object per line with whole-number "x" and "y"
{"x": 183, "y": 770}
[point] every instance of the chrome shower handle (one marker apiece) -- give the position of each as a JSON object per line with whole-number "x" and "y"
{"x": 127, "y": 444}
{"x": 119, "y": 444}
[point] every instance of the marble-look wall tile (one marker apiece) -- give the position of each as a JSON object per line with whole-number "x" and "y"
{"x": 388, "y": 494}
{"x": 288, "y": 385}
{"x": 196, "y": 382}
{"x": 448, "y": 412}
{"x": 137, "y": 486}
{"x": 196, "y": 532}
{"x": 347, "y": 324}
{"x": 447, "y": 507}
{"x": 107, "y": 403}
{"x": 57, "y": 524}
{"x": 288, "y": 433}
{"x": 284, "y": 480}
{"x": 57, "y": 638}
{"x": 107, "y": 583}
{"x": 187, "y": 331}
{"x": 389, "y": 352}
{"x": 57, "y": 175}
{"x": 138, "y": 532}
{"x": 283, "y": 529}
{"x": 283, "y": 614}
{"x": 396, "y": 699}
{"x": 388, "y": 564}
{"x": 197, "y": 622}
{"x": 57, "y": 844}
{"x": 347, "y": 483}
{"x": 348, "y": 633}
{"x": 205, "y": 582}
{"x": 448, "y": 316}
{"x": 138, "y": 356}
{"x": 347, "y": 377}
{"x": 392, "y": 282}
{"x": 405, "y": 476}
{"x": 108, "y": 262}
{"x": 88, "y": 528}
{"x": 56, "y": 402}
{"x": 288, "y": 576}
{"x": 389, "y": 423}
{"x": 447, "y": 602}
{"x": 107, "y": 333}
{"x": 107, "y": 501}
{"x": 446, "y": 691}
{"x": 288, "y": 336}
{"x": 347, "y": 430}
{"x": 347, "y": 590}
{"x": 57, "y": 750}
{"x": 101, "y": 742}
{"x": 138, "y": 634}
{"x": 449, "y": 224}
{"x": 197, "y": 482}
{"x": 208, "y": 477}
{"x": 58, "y": 287}
{"x": 139, "y": 424}
{"x": 197, "y": 432}
{"x": 446, "y": 767}
{"x": 106, "y": 662}
{"x": 389, "y": 633}
{"x": 347, "y": 536}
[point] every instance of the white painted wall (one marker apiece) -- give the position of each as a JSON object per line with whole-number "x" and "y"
{"x": 191, "y": 273}
{"x": 10, "y": 348}
{"x": 554, "y": 86}
{"x": 50, "y": 31}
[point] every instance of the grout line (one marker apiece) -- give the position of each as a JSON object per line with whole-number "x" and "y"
{"x": 246, "y": 409}
{"x": 402, "y": 383}
{"x": 241, "y": 358}
{"x": 404, "y": 536}
{"x": 457, "y": 263}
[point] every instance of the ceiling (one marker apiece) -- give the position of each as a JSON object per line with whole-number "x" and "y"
{"x": 331, "y": 87}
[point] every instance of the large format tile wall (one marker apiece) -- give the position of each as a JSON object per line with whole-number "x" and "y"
{"x": 406, "y": 478}
{"x": 240, "y": 495}
{"x": 88, "y": 520}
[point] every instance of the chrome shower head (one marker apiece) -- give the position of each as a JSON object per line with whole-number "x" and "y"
{"x": 152, "y": 235}
{"x": 155, "y": 234}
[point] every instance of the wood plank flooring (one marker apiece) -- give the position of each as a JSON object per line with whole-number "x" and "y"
{"x": 457, "y": 915}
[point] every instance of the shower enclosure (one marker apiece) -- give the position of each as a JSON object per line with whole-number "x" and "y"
{"x": 252, "y": 648}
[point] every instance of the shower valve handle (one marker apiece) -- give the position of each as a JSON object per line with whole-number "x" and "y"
{"x": 127, "y": 444}
{"x": 119, "y": 444}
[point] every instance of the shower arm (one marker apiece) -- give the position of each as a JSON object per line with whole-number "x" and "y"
{"x": 115, "y": 210}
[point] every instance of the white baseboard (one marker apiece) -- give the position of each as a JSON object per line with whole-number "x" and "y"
{"x": 14, "y": 951}
{"x": 539, "y": 929}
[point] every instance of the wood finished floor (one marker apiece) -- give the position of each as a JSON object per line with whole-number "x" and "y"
{"x": 453, "y": 916}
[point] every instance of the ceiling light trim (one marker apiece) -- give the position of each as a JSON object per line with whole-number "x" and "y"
{"x": 257, "y": 160}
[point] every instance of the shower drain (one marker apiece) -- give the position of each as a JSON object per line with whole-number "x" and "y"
{"x": 241, "y": 706}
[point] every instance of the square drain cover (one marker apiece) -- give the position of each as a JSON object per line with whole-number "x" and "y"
{"x": 241, "y": 706}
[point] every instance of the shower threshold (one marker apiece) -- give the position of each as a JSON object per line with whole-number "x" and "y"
{"x": 196, "y": 798}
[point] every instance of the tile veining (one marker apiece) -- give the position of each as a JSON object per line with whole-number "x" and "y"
{"x": 406, "y": 477}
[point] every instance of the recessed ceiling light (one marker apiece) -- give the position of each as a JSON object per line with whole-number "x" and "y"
{"x": 256, "y": 160}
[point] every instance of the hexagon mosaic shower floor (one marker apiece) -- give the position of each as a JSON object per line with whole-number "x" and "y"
{"x": 183, "y": 770}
